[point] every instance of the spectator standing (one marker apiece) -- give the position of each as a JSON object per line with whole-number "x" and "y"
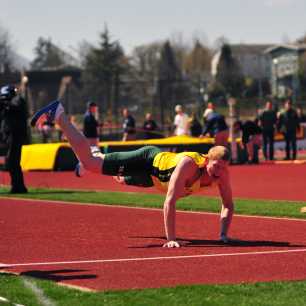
{"x": 301, "y": 115}
{"x": 129, "y": 126}
{"x": 268, "y": 121}
{"x": 46, "y": 129}
{"x": 91, "y": 124}
{"x": 14, "y": 115}
{"x": 209, "y": 109}
{"x": 195, "y": 126}
{"x": 181, "y": 122}
{"x": 289, "y": 125}
{"x": 149, "y": 126}
{"x": 251, "y": 140}
{"x": 216, "y": 127}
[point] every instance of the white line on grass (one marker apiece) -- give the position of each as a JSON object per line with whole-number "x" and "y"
{"x": 148, "y": 208}
{"x": 4, "y": 300}
{"x": 38, "y": 292}
{"x": 120, "y": 260}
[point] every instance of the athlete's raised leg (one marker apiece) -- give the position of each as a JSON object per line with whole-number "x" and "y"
{"x": 80, "y": 145}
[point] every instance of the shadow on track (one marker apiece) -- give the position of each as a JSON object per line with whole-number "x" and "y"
{"x": 59, "y": 275}
{"x": 217, "y": 243}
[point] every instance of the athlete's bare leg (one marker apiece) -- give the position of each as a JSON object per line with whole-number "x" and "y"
{"x": 80, "y": 145}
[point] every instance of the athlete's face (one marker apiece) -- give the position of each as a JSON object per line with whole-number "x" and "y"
{"x": 215, "y": 168}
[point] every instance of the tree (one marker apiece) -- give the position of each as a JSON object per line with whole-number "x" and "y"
{"x": 198, "y": 61}
{"x": 169, "y": 80}
{"x": 168, "y": 67}
{"x": 103, "y": 70}
{"x": 145, "y": 61}
{"x": 143, "y": 73}
{"x": 6, "y": 54}
{"x": 47, "y": 55}
{"x": 228, "y": 73}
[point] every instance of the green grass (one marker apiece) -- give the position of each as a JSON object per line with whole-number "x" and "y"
{"x": 272, "y": 293}
{"x": 12, "y": 288}
{"x": 195, "y": 203}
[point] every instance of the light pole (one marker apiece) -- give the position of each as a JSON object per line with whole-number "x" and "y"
{"x": 232, "y": 117}
{"x": 295, "y": 78}
{"x": 275, "y": 77}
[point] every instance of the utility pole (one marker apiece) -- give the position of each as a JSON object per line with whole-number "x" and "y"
{"x": 232, "y": 118}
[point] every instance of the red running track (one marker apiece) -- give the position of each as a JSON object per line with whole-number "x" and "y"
{"x": 104, "y": 247}
{"x": 264, "y": 181}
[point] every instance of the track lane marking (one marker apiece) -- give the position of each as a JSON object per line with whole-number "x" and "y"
{"x": 149, "y": 258}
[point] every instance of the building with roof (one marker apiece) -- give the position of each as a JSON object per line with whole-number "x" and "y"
{"x": 284, "y": 68}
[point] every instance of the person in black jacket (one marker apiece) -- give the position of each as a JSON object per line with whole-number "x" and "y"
{"x": 91, "y": 124}
{"x": 268, "y": 120}
{"x": 216, "y": 127}
{"x": 14, "y": 116}
{"x": 149, "y": 126}
{"x": 129, "y": 126}
{"x": 289, "y": 125}
{"x": 251, "y": 140}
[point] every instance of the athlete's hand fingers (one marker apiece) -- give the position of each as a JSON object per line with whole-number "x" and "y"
{"x": 224, "y": 239}
{"x": 171, "y": 244}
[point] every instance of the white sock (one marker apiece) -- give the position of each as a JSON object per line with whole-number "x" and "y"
{"x": 95, "y": 151}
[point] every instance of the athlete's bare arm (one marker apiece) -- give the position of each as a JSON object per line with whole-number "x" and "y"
{"x": 227, "y": 209}
{"x": 183, "y": 172}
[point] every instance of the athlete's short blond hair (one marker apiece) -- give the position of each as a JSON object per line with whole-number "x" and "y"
{"x": 219, "y": 152}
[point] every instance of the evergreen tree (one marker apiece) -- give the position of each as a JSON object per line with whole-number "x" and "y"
{"x": 168, "y": 68}
{"x": 103, "y": 69}
{"x": 47, "y": 55}
{"x": 169, "y": 81}
{"x": 6, "y": 60}
{"x": 228, "y": 73}
{"x": 198, "y": 61}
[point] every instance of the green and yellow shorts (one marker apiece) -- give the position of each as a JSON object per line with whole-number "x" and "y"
{"x": 136, "y": 166}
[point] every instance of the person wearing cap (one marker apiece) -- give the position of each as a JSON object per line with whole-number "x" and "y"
{"x": 177, "y": 174}
{"x": 13, "y": 118}
{"x": 181, "y": 122}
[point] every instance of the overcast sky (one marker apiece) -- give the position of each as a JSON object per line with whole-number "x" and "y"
{"x": 136, "y": 22}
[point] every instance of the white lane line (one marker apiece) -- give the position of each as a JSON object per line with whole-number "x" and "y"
{"x": 149, "y": 208}
{"x": 120, "y": 260}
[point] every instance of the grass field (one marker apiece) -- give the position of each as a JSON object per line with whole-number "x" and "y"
{"x": 196, "y": 203}
{"x": 269, "y": 294}
{"x": 14, "y": 289}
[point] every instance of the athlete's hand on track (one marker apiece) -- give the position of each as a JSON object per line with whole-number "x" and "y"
{"x": 119, "y": 179}
{"x": 171, "y": 244}
{"x": 228, "y": 240}
{"x": 225, "y": 239}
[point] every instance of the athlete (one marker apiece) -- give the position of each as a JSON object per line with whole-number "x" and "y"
{"x": 178, "y": 174}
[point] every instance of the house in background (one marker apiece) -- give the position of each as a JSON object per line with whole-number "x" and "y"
{"x": 252, "y": 59}
{"x": 284, "y": 61}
